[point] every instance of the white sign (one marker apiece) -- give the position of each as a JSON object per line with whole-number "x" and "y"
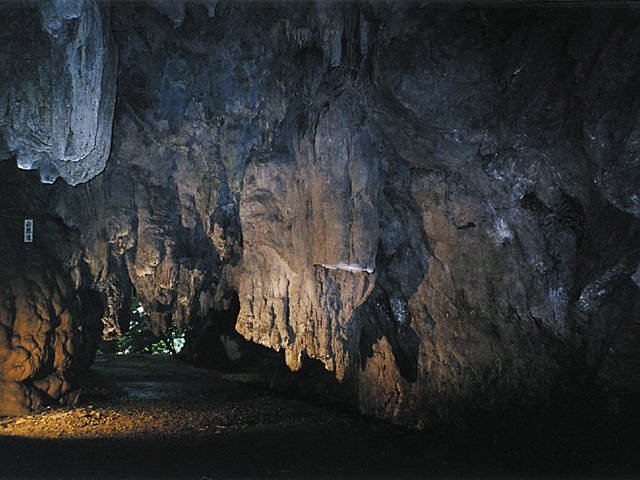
{"x": 28, "y": 230}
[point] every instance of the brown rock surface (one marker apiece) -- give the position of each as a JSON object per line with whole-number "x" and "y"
{"x": 439, "y": 204}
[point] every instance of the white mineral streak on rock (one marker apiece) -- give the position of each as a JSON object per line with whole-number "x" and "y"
{"x": 636, "y": 276}
{"x": 348, "y": 267}
{"x": 500, "y": 232}
{"x": 211, "y": 7}
{"x": 399, "y": 310}
{"x": 594, "y": 294}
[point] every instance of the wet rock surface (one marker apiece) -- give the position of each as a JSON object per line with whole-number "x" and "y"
{"x": 146, "y": 416}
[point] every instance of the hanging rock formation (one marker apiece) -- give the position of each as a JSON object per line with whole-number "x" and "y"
{"x": 59, "y": 95}
{"x": 439, "y": 204}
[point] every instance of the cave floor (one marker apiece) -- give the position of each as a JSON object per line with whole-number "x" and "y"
{"x": 155, "y": 417}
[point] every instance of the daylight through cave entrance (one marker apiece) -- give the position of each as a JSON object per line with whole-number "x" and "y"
{"x": 143, "y": 336}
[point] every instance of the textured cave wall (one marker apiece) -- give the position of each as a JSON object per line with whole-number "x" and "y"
{"x": 452, "y": 227}
{"x": 49, "y": 320}
{"x": 440, "y": 204}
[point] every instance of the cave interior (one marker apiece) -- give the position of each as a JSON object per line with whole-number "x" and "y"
{"x": 423, "y": 212}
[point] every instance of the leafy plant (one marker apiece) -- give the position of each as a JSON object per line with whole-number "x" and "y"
{"x": 140, "y": 337}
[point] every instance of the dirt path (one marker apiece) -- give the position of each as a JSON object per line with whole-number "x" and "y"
{"x": 146, "y": 417}
{"x": 155, "y": 417}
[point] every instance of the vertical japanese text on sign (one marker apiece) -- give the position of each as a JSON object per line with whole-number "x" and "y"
{"x": 28, "y": 230}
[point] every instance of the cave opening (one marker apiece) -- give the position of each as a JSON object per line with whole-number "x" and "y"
{"x": 141, "y": 335}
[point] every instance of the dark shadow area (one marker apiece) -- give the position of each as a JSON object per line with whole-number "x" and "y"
{"x": 214, "y": 343}
{"x": 152, "y": 416}
{"x": 286, "y": 453}
{"x": 401, "y": 265}
{"x": 405, "y": 343}
{"x": 218, "y": 347}
{"x": 294, "y": 451}
{"x": 312, "y": 384}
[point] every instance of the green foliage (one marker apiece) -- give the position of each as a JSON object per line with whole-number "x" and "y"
{"x": 140, "y": 338}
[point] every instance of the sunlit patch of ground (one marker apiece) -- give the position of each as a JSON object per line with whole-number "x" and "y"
{"x": 161, "y": 397}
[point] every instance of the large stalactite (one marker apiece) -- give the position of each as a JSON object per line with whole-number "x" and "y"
{"x": 59, "y": 85}
{"x": 438, "y": 203}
